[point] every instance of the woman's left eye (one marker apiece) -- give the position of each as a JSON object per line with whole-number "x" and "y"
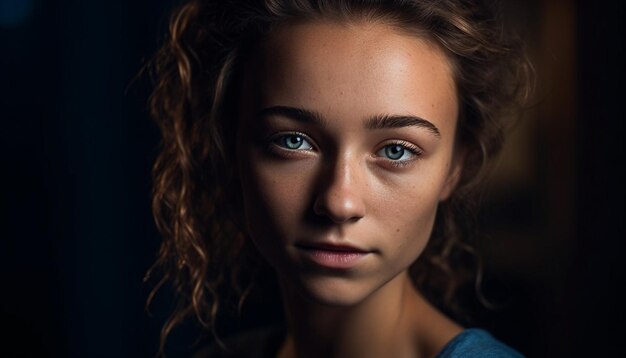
{"x": 398, "y": 152}
{"x": 293, "y": 141}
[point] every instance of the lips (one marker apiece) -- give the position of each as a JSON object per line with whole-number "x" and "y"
{"x": 330, "y": 247}
{"x": 333, "y": 256}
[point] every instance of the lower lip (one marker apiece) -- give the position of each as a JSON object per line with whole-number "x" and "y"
{"x": 335, "y": 259}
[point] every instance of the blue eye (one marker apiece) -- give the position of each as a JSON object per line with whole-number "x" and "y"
{"x": 293, "y": 142}
{"x": 397, "y": 152}
{"x": 394, "y": 152}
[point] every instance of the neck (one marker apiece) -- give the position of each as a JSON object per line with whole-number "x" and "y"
{"x": 381, "y": 320}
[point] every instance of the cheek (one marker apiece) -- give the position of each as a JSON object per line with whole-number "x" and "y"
{"x": 275, "y": 200}
{"x": 408, "y": 213}
{"x": 412, "y": 227}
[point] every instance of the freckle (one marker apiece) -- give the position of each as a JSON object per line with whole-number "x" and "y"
{"x": 397, "y": 230}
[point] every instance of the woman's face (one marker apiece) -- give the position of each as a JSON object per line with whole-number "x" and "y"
{"x": 345, "y": 148}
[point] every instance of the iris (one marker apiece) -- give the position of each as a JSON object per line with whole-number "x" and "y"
{"x": 394, "y": 152}
{"x": 292, "y": 141}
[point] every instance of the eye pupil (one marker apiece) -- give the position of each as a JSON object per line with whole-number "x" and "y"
{"x": 394, "y": 151}
{"x": 293, "y": 141}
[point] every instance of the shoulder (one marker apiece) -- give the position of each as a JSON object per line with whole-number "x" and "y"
{"x": 475, "y": 343}
{"x": 258, "y": 343}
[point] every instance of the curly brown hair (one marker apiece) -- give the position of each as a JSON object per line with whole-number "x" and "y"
{"x": 204, "y": 252}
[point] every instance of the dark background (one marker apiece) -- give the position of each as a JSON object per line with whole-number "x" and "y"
{"x": 77, "y": 146}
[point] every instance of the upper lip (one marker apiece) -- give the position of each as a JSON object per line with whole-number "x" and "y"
{"x": 330, "y": 246}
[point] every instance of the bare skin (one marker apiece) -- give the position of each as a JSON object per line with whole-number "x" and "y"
{"x": 346, "y": 138}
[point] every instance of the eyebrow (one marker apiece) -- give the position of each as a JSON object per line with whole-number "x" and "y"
{"x": 384, "y": 121}
{"x": 298, "y": 114}
{"x": 381, "y": 121}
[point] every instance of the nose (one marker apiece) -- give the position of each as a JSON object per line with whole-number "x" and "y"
{"x": 340, "y": 193}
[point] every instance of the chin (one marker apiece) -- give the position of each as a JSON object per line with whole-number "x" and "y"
{"x": 334, "y": 291}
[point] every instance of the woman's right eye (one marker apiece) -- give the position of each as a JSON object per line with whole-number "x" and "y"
{"x": 292, "y": 141}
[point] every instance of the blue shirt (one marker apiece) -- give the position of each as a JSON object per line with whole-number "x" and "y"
{"x": 477, "y": 343}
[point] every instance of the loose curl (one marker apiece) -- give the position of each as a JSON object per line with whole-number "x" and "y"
{"x": 204, "y": 252}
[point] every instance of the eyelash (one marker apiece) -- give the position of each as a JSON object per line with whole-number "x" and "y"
{"x": 273, "y": 147}
{"x": 414, "y": 150}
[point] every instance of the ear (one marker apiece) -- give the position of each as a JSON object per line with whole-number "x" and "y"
{"x": 454, "y": 175}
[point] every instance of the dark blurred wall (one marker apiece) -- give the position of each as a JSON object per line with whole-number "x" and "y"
{"x": 76, "y": 146}
{"x": 595, "y": 284}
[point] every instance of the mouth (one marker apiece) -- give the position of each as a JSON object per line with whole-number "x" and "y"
{"x": 333, "y": 256}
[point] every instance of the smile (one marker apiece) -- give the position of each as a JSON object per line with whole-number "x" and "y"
{"x": 333, "y": 256}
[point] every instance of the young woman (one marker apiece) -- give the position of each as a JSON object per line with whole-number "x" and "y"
{"x": 337, "y": 141}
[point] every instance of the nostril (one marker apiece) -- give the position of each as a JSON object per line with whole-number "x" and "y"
{"x": 339, "y": 209}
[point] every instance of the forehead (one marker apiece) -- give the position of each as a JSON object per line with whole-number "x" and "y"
{"x": 350, "y": 70}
